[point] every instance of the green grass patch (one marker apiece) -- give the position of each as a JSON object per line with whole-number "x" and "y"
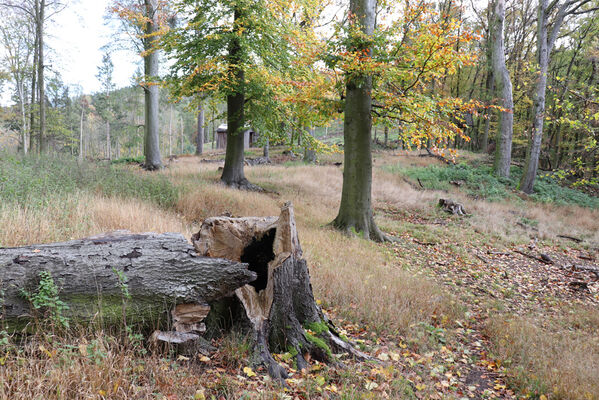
{"x": 479, "y": 181}
{"x": 34, "y": 182}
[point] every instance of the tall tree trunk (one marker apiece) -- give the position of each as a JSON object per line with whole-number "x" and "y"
{"x": 532, "y": 156}
{"x": 233, "y": 174}
{"x": 355, "y": 211}
{"x": 200, "y": 137}
{"x": 152, "y": 139}
{"x": 489, "y": 84}
{"x": 503, "y": 149}
{"x": 33, "y": 81}
{"x": 40, "y": 75}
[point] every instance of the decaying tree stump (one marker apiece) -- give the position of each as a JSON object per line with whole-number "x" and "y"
{"x": 160, "y": 271}
{"x": 248, "y": 269}
{"x": 279, "y": 304}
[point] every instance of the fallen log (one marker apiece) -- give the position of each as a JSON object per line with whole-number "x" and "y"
{"x": 159, "y": 271}
{"x": 279, "y": 305}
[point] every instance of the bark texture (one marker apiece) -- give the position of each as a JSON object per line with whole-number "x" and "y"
{"x": 503, "y": 83}
{"x": 355, "y": 211}
{"x": 161, "y": 271}
{"x": 279, "y": 304}
{"x": 151, "y": 139}
{"x": 233, "y": 174}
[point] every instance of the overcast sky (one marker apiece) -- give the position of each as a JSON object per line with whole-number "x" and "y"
{"x": 76, "y": 38}
{"x": 74, "y": 41}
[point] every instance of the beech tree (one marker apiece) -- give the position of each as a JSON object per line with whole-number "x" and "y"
{"x": 146, "y": 21}
{"x": 237, "y": 50}
{"x": 388, "y": 73}
{"x": 503, "y": 84}
{"x": 550, "y": 17}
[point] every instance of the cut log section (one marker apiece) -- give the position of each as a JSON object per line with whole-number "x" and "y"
{"x": 160, "y": 271}
{"x": 279, "y": 304}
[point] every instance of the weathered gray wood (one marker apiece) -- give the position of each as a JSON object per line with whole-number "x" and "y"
{"x": 161, "y": 270}
{"x": 503, "y": 83}
{"x": 279, "y": 304}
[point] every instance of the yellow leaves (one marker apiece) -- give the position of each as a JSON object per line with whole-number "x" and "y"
{"x": 203, "y": 358}
{"x": 249, "y": 372}
{"x": 542, "y": 397}
{"x": 199, "y": 395}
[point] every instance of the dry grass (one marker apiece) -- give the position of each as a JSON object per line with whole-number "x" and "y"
{"x": 83, "y": 215}
{"x": 561, "y": 361}
{"x": 359, "y": 280}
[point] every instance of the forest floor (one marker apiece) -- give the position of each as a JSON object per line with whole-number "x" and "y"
{"x": 491, "y": 305}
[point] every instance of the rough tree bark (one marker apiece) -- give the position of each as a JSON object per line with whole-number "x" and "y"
{"x": 151, "y": 138}
{"x": 233, "y": 174}
{"x": 503, "y": 83}
{"x": 279, "y": 304}
{"x": 355, "y": 211}
{"x": 161, "y": 271}
{"x": 547, "y": 34}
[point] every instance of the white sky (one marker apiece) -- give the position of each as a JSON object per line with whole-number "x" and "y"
{"x": 76, "y": 38}
{"x": 74, "y": 41}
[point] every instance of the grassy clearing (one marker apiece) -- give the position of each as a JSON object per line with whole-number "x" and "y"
{"x": 369, "y": 288}
{"x": 35, "y": 182}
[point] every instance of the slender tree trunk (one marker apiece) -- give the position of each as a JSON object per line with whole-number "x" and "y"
{"x": 200, "y": 137}
{"x": 309, "y": 153}
{"x": 81, "y": 134}
{"x": 108, "y": 149}
{"x": 170, "y": 133}
{"x": 386, "y": 135}
{"x": 267, "y": 149}
{"x": 182, "y": 135}
{"x": 233, "y": 174}
{"x": 355, "y": 211}
{"x": 490, "y": 83}
{"x": 40, "y": 75}
{"x": 152, "y": 139}
{"x": 33, "y": 81}
{"x": 503, "y": 149}
{"x": 21, "y": 93}
{"x": 532, "y": 157}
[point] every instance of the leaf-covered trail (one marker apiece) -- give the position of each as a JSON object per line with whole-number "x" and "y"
{"x": 488, "y": 278}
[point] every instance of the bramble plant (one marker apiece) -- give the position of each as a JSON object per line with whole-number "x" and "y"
{"x": 46, "y": 299}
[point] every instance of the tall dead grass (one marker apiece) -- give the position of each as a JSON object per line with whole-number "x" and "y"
{"x": 563, "y": 362}
{"x": 82, "y": 215}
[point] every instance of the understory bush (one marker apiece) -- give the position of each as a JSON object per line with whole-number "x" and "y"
{"x": 479, "y": 181}
{"x": 35, "y": 181}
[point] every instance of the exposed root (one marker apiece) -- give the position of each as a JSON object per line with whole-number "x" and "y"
{"x": 244, "y": 184}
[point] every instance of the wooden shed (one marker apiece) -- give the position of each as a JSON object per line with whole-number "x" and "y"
{"x": 250, "y": 137}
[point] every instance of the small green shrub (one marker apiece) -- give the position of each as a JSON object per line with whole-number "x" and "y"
{"x": 46, "y": 299}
